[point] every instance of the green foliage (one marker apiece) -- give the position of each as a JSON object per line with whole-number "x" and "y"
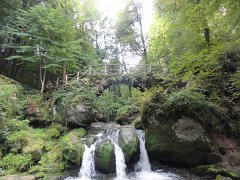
{"x": 11, "y": 99}
{"x": 51, "y": 162}
{"x": 16, "y": 163}
{"x": 169, "y": 108}
{"x": 73, "y": 94}
{"x": 26, "y": 140}
{"x": 197, "y": 41}
{"x": 37, "y": 108}
{"x": 72, "y": 146}
{"x": 17, "y": 125}
{"x": 108, "y": 104}
{"x": 126, "y": 114}
{"x": 54, "y": 130}
{"x": 213, "y": 169}
{"x": 129, "y": 29}
{"x": 53, "y": 38}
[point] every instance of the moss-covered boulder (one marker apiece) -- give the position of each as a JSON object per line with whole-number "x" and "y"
{"x": 217, "y": 171}
{"x": 234, "y": 159}
{"x": 12, "y": 99}
{"x": 37, "y": 110}
{"x": 176, "y": 127}
{"x": 128, "y": 141}
{"x": 75, "y": 105}
{"x": 27, "y": 141}
{"x": 219, "y": 177}
{"x": 72, "y": 146}
{"x": 127, "y": 114}
{"x": 105, "y": 157}
{"x": 167, "y": 109}
{"x": 183, "y": 143}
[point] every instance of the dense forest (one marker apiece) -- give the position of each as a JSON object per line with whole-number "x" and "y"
{"x": 65, "y": 79}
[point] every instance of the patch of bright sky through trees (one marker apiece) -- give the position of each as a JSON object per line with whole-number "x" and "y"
{"x": 112, "y": 7}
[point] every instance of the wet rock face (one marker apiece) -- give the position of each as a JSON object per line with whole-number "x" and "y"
{"x": 104, "y": 154}
{"x": 184, "y": 142}
{"x": 129, "y": 143}
{"x": 105, "y": 157}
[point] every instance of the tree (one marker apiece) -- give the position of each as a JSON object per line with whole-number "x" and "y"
{"x": 52, "y": 37}
{"x": 129, "y": 29}
{"x": 44, "y": 39}
{"x": 197, "y": 41}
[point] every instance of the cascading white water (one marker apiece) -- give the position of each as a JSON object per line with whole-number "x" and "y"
{"x": 142, "y": 169}
{"x": 87, "y": 170}
{"x": 119, "y": 156}
{"x": 143, "y": 164}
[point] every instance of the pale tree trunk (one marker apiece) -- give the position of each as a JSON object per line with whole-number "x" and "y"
{"x": 64, "y": 73}
{"x": 43, "y": 72}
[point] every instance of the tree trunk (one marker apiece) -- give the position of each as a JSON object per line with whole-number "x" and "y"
{"x": 64, "y": 73}
{"x": 119, "y": 89}
{"x": 42, "y": 74}
{"x": 207, "y": 36}
{"x": 143, "y": 39}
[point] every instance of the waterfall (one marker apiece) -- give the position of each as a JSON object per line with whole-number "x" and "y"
{"x": 87, "y": 170}
{"x": 143, "y": 164}
{"x": 119, "y": 156}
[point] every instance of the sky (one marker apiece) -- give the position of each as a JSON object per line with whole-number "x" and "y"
{"x": 112, "y": 7}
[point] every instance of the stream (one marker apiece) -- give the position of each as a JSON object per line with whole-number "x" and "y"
{"x": 142, "y": 169}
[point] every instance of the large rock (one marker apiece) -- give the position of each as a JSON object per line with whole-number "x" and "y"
{"x": 105, "y": 157}
{"x": 128, "y": 141}
{"x": 37, "y": 110}
{"x": 75, "y": 105}
{"x": 216, "y": 170}
{"x": 184, "y": 142}
{"x": 81, "y": 114}
{"x": 234, "y": 159}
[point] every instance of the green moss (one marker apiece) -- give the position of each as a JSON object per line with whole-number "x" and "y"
{"x": 17, "y": 125}
{"x": 137, "y": 123}
{"x": 29, "y": 139}
{"x": 72, "y": 146}
{"x": 215, "y": 170}
{"x": 40, "y": 175}
{"x": 37, "y": 108}
{"x": 128, "y": 141}
{"x": 52, "y": 160}
{"x": 127, "y": 114}
{"x": 54, "y": 130}
{"x": 12, "y": 100}
{"x": 152, "y": 140}
{"x": 105, "y": 158}
{"x": 219, "y": 177}
{"x": 36, "y": 169}
{"x": 231, "y": 173}
{"x": 162, "y": 109}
